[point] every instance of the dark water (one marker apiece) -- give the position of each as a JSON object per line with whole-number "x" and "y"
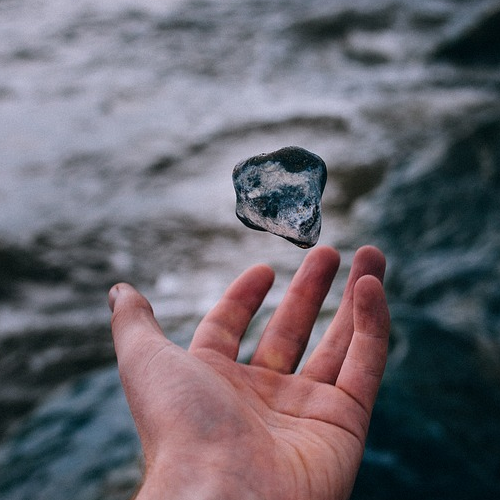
{"x": 120, "y": 124}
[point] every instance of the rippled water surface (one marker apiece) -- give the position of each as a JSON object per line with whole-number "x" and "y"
{"x": 120, "y": 123}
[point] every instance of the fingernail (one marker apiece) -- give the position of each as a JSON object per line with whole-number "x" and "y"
{"x": 112, "y": 296}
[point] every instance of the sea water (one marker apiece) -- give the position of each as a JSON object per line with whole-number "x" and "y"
{"x": 120, "y": 123}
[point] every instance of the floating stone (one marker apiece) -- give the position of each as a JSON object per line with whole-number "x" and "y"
{"x": 280, "y": 192}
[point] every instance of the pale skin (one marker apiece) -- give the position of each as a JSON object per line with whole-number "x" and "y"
{"x": 215, "y": 429}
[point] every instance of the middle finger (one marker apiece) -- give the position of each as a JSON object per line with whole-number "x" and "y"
{"x": 287, "y": 333}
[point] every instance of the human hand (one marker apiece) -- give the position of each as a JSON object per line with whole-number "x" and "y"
{"x": 212, "y": 428}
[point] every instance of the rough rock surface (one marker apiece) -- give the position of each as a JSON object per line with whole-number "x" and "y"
{"x": 280, "y": 192}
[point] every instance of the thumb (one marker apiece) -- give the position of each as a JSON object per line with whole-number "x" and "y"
{"x": 136, "y": 333}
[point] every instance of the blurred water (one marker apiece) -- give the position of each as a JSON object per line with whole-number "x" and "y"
{"x": 120, "y": 124}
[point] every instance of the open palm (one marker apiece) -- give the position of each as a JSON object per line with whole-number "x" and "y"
{"x": 214, "y": 428}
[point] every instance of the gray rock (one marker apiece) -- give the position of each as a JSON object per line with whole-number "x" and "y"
{"x": 280, "y": 192}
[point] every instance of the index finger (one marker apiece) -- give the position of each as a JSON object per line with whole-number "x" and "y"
{"x": 223, "y": 327}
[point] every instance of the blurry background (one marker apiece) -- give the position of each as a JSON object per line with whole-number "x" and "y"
{"x": 120, "y": 123}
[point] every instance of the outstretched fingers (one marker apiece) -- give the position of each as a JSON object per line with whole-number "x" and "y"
{"x": 326, "y": 360}
{"x": 222, "y": 328}
{"x": 287, "y": 333}
{"x": 364, "y": 364}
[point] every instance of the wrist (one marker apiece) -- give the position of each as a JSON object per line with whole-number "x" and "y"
{"x": 190, "y": 481}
